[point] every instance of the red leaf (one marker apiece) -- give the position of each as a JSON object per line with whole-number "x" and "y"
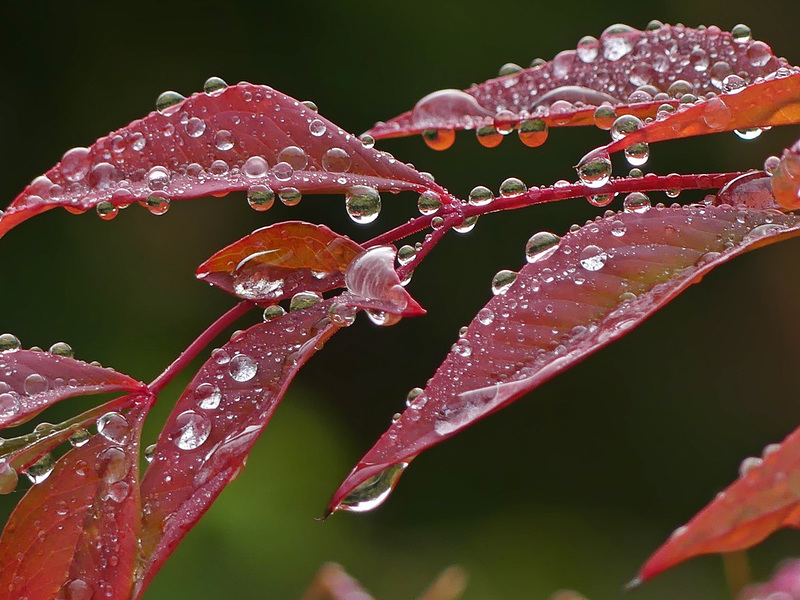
{"x": 215, "y": 423}
{"x": 32, "y": 381}
{"x": 75, "y": 533}
{"x": 211, "y": 144}
{"x": 578, "y": 294}
{"x": 279, "y": 260}
{"x": 786, "y": 178}
{"x": 566, "y": 90}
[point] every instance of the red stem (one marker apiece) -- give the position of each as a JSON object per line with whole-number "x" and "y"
{"x": 203, "y": 340}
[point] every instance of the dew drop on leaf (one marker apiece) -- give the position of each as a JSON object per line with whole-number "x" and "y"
{"x": 593, "y": 258}
{"x": 273, "y": 312}
{"x": 502, "y": 281}
{"x": 106, "y": 210}
{"x": 208, "y": 396}
{"x": 242, "y": 368}
{"x": 363, "y": 204}
{"x": 8, "y": 478}
{"x": 260, "y": 197}
{"x": 342, "y": 315}
{"x": 77, "y": 589}
{"x": 604, "y": 117}
{"x": 112, "y": 464}
{"x": 637, "y": 154}
{"x": 374, "y": 491}
{"x": 303, "y": 300}
{"x": 255, "y": 167}
{"x": 533, "y": 132}
{"x": 624, "y": 125}
{"x": 733, "y": 84}
{"x": 150, "y": 452}
{"x": 223, "y": 140}
{"x": 488, "y": 136}
{"x": 214, "y": 85}
{"x": 157, "y": 205}
{"x": 541, "y": 245}
{"x": 62, "y": 349}
{"x": 290, "y": 196}
{"x": 79, "y": 438}
{"x": 41, "y": 469}
{"x": 9, "y": 404}
{"x": 317, "y": 128}
{"x": 167, "y": 102}
{"x": 294, "y": 156}
{"x": 636, "y": 202}
{"x": 35, "y": 384}
{"x": 438, "y": 139}
{"x": 192, "y": 429}
{"x": 336, "y": 160}
{"x": 114, "y": 427}
{"x": 748, "y": 134}
{"x": 748, "y": 464}
{"x": 406, "y": 254}
{"x": 741, "y": 33}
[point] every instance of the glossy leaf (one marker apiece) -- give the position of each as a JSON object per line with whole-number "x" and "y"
{"x": 74, "y": 535}
{"x": 31, "y": 381}
{"x": 212, "y": 144}
{"x": 279, "y": 260}
{"x": 566, "y": 90}
{"x": 215, "y": 423}
{"x": 576, "y": 296}
{"x": 786, "y": 178}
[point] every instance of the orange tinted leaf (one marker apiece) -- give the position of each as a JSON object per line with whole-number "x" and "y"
{"x": 278, "y": 260}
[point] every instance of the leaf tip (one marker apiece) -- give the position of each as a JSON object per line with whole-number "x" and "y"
{"x": 633, "y": 584}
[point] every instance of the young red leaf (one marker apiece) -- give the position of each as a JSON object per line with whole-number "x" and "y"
{"x": 244, "y": 137}
{"x": 74, "y": 534}
{"x": 32, "y": 381}
{"x": 280, "y": 260}
{"x": 786, "y": 178}
{"x": 626, "y": 69}
{"x": 576, "y": 295}
{"x": 216, "y": 421}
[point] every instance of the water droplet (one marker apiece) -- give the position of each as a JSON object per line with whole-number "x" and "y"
{"x": 208, "y": 396}
{"x": 363, "y": 204}
{"x": 406, "y": 254}
{"x": 113, "y": 465}
{"x": 604, "y": 117}
{"x": 77, "y": 589}
{"x": 150, "y": 452}
{"x": 8, "y": 478}
{"x": 600, "y": 200}
{"x": 624, "y": 125}
{"x": 532, "y": 132}
{"x": 733, "y": 84}
{"x": 106, "y": 210}
{"x": 509, "y": 69}
{"x": 636, "y": 202}
{"x": 374, "y": 491}
{"x": 637, "y": 154}
{"x": 9, "y": 342}
{"x": 9, "y": 404}
{"x": 594, "y": 171}
{"x": 62, "y": 349}
{"x": 311, "y": 105}
{"x": 342, "y": 315}
{"x": 748, "y": 464}
{"x": 617, "y": 41}
{"x": 758, "y": 53}
{"x": 748, "y": 134}
{"x": 223, "y": 140}
{"x": 429, "y": 202}
{"x": 381, "y": 318}
{"x": 303, "y": 300}
{"x": 588, "y": 48}
{"x": 79, "y": 437}
{"x": 439, "y": 139}
{"x": 512, "y": 187}
{"x": 618, "y": 229}
{"x": 35, "y": 384}
{"x": 504, "y": 121}
{"x": 273, "y": 312}
{"x": 336, "y": 160}
{"x": 502, "y": 281}
{"x": 294, "y": 156}
{"x": 485, "y": 316}
{"x": 467, "y": 225}
{"x": 488, "y": 136}
{"x": 260, "y": 197}
{"x": 716, "y": 113}
{"x": 290, "y": 196}
{"x": 157, "y": 205}
{"x": 255, "y": 167}
{"x": 317, "y": 128}
{"x": 242, "y": 368}
{"x": 191, "y": 429}
{"x": 480, "y": 196}
{"x": 41, "y": 469}
{"x": 195, "y": 127}
{"x": 167, "y": 102}
{"x": 679, "y": 88}
{"x": 214, "y": 86}
{"x": 593, "y": 258}
{"x": 415, "y": 398}
{"x": 541, "y": 245}
{"x": 75, "y": 164}
{"x": 741, "y": 33}
{"x": 114, "y": 427}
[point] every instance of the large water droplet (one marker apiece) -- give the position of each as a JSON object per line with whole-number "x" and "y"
{"x": 260, "y": 197}
{"x": 741, "y": 33}
{"x": 8, "y": 478}
{"x": 480, "y": 196}
{"x": 9, "y": 404}
{"x": 604, "y": 117}
{"x": 374, "y": 491}
{"x": 35, "y": 384}
{"x": 223, "y": 140}
{"x": 62, "y": 349}
{"x": 594, "y": 171}
{"x": 75, "y": 164}
{"x": 636, "y": 202}
{"x": 207, "y": 396}
{"x": 9, "y": 342}
{"x": 624, "y": 125}
{"x": 294, "y": 156}
{"x": 255, "y": 167}
{"x": 113, "y": 465}
{"x": 242, "y": 368}
{"x": 467, "y": 225}
{"x": 273, "y": 312}
{"x": 114, "y": 427}
{"x": 342, "y": 315}
{"x": 593, "y": 258}
{"x": 428, "y": 202}
{"x": 541, "y": 245}
{"x": 106, "y": 210}
{"x": 533, "y": 132}
{"x": 80, "y": 437}
{"x": 41, "y": 469}
{"x": 157, "y": 205}
{"x": 439, "y": 139}
{"x": 303, "y": 300}
{"x": 588, "y": 48}
{"x": 363, "y": 203}
{"x": 192, "y": 430}
{"x": 336, "y": 160}
{"x": 617, "y": 41}
{"x": 716, "y": 113}
{"x": 502, "y": 281}
{"x": 512, "y": 187}
{"x": 488, "y": 136}
{"x": 167, "y": 102}
{"x": 290, "y": 196}
{"x": 317, "y": 128}
{"x": 637, "y": 154}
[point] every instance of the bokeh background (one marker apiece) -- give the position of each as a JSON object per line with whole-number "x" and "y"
{"x": 573, "y": 486}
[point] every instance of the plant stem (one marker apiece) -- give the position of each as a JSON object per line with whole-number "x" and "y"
{"x": 203, "y": 340}
{"x": 737, "y": 571}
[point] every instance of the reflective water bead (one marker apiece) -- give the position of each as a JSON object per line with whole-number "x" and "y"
{"x": 415, "y": 398}
{"x": 294, "y": 156}
{"x": 8, "y": 478}
{"x": 480, "y": 195}
{"x": 311, "y": 105}
{"x": 303, "y": 300}
{"x": 35, "y": 384}
{"x": 381, "y": 318}
{"x": 242, "y": 368}
{"x": 317, "y": 127}
{"x": 167, "y": 102}
{"x": 679, "y": 87}
{"x": 719, "y": 70}
{"x": 367, "y": 140}
{"x": 79, "y": 437}
{"x": 223, "y": 140}
{"x": 437, "y": 222}
{"x": 8, "y": 341}
{"x": 342, "y": 315}
{"x": 260, "y": 197}
{"x": 485, "y": 316}
{"x": 428, "y": 202}
{"x": 593, "y": 258}
{"x": 624, "y": 125}
{"x": 716, "y": 113}
{"x": 502, "y": 281}
{"x": 208, "y": 396}
{"x": 255, "y": 167}
{"x": 654, "y": 25}
{"x": 75, "y": 164}
{"x": 748, "y": 464}
{"x": 488, "y": 136}
{"x": 588, "y": 48}
{"x": 512, "y": 187}
{"x": 363, "y": 203}
{"x": 273, "y": 312}
{"x": 771, "y": 163}
{"x": 758, "y": 53}
{"x": 637, "y": 154}
{"x": 635, "y": 173}
{"x": 504, "y": 121}
{"x": 106, "y": 210}
{"x": 508, "y": 69}
{"x": 157, "y": 205}
{"x": 733, "y": 84}
{"x": 195, "y": 127}
{"x": 192, "y": 430}
{"x": 214, "y": 86}
{"x": 741, "y": 33}
{"x": 467, "y": 225}
{"x": 604, "y": 117}
{"x": 62, "y": 349}
{"x": 618, "y": 229}
{"x": 538, "y": 62}
{"x": 594, "y": 171}
{"x": 636, "y": 202}
{"x": 114, "y": 427}
{"x": 406, "y": 254}
{"x": 290, "y": 196}
{"x": 336, "y": 160}
{"x": 41, "y": 469}
{"x": 9, "y": 404}
{"x": 617, "y": 41}
{"x": 541, "y": 245}
{"x": 438, "y": 139}
{"x": 283, "y": 171}
{"x": 601, "y": 200}
{"x": 532, "y": 132}
{"x": 77, "y": 589}
{"x": 150, "y": 452}
{"x": 748, "y": 134}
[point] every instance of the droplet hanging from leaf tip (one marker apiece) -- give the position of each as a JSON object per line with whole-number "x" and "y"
{"x": 374, "y": 491}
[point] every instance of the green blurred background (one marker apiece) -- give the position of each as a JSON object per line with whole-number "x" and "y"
{"x": 571, "y": 487}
